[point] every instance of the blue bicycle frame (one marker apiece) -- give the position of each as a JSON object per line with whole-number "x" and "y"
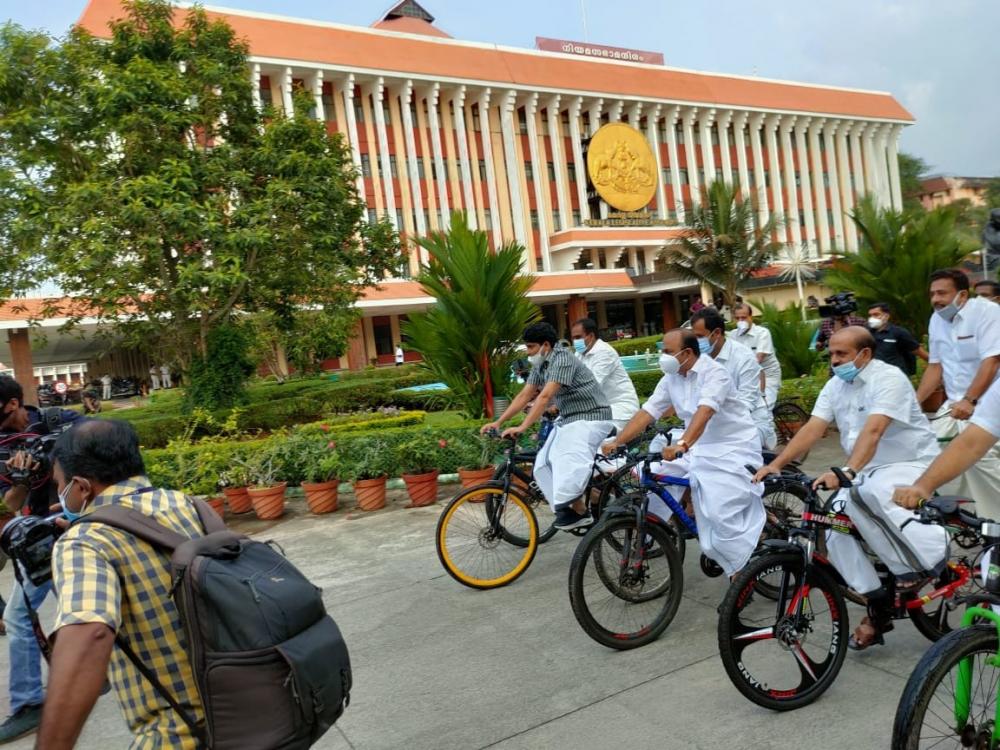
{"x": 657, "y": 484}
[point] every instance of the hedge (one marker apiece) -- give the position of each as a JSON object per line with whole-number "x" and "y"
{"x": 640, "y": 345}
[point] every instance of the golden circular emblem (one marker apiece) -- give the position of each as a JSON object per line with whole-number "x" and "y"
{"x": 622, "y": 167}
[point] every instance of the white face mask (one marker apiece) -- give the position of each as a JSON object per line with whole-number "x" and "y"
{"x": 949, "y": 311}
{"x": 536, "y": 360}
{"x": 669, "y": 364}
{"x": 742, "y": 326}
{"x": 875, "y": 323}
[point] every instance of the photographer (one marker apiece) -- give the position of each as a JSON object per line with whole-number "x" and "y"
{"x": 22, "y": 487}
{"x": 837, "y": 314}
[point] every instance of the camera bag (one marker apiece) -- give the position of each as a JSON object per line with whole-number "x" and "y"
{"x": 272, "y": 668}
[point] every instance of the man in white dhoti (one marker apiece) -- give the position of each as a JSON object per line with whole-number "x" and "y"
{"x": 742, "y": 366}
{"x": 607, "y": 369}
{"x": 566, "y": 460}
{"x": 719, "y": 440}
{"x": 889, "y": 443}
{"x": 965, "y": 358}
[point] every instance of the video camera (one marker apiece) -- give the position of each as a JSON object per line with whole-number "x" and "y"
{"x": 37, "y": 440}
{"x": 29, "y": 540}
{"x": 838, "y": 305}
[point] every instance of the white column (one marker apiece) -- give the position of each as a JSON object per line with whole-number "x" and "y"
{"x": 670, "y": 122}
{"x": 792, "y": 215}
{"x": 895, "y": 188}
{"x": 635, "y": 114}
{"x": 823, "y": 224}
{"x": 514, "y": 184}
{"x": 286, "y": 92}
{"x": 722, "y": 125}
{"x": 653, "y": 134}
{"x": 377, "y": 90}
{"x": 882, "y": 162}
{"x": 871, "y": 175}
{"x": 771, "y": 124}
{"x": 458, "y": 102}
{"x": 433, "y": 98}
{"x": 345, "y": 88}
{"x": 615, "y": 112}
{"x": 416, "y": 191}
{"x": 558, "y": 160}
{"x": 491, "y": 174}
{"x": 707, "y": 153}
{"x": 739, "y": 123}
{"x": 756, "y": 122}
{"x": 317, "y": 91}
{"x": 694, "y": 181}
{"x": 846, "y": 194}
{"x": 857, "y": 162}
{"x": 829, "y": 135}
{"x": 596, "y": 107}
{"x": 255, "y": 86}
{"x": 538, "y": 169}
{"x": 801, "y": 126}
{"x": 581, "y": 166}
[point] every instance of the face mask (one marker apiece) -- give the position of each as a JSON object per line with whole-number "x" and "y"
{"x": 669, "y": 364}
{"x": 580, "y": 345}
{"x": 875, "y": 323}
{"x": 704, "y": 345}
{"x": 68, "y": 514}
{"x": 742, "y": 326}
{"x": 847, "y": 371}
{"x": 536, "y": 360}
{"x": 949, "y": 311}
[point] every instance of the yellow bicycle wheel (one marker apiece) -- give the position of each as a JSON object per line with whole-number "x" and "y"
{"x": 474, "y": 533}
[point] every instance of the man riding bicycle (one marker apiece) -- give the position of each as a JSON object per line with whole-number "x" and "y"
{"x": 565, "y": 462}
{"x": 889, "y": 443}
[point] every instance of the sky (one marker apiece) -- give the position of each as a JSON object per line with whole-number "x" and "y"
{"x": 939, "y": 59}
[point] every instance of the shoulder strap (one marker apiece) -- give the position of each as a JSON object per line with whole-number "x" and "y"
{"x": 145, "y": 528}
{"x": 210, "y": 520}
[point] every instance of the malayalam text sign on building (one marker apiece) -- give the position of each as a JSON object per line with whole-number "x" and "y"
{"x": 598, "y": 50}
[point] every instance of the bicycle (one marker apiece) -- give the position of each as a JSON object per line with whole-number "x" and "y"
{"x": 630, "y": 565}
{"x": 951, "y": 696}
{"x": 785, "y": 654}
{"x": 788, "y": 416}
{"x": 487, "y": 535}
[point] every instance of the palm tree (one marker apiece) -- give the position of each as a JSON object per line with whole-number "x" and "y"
{"x": 897, "y": 254}
{"x": 481, "y": 309}
{"x": 724, "y": 242}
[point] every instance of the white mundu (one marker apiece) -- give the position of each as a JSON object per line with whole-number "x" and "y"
{"x": 904, "y": 451}
{"x": 727, "y": 505}
{"x": 960, "y": 347}
{"x": 609, "y": 372}
{"x": 743, "y": 368}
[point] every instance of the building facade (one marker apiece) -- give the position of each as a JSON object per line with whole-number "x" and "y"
{"x": 942, "y": 190}
{"x": 437, "y": 125}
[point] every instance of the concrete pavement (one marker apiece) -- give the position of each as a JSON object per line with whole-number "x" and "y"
{"x": 440, "y": 666}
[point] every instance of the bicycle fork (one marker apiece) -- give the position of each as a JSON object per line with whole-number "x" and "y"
{"x": 963, "y": 685}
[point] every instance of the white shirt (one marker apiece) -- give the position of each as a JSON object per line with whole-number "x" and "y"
{"x": 609, "y": 372}
{"x": 743, "y": 368}
{"x": 164, "y": 369}
{"x": 706, "y": 384}
{"x": 880, "y": 388}
{"x": 399, "y": 354}
{"x": 105, "y": 380}
{"x": 758, "y": 339}
{"x": 961, "y": 346}
{"x": 987, "y": 413}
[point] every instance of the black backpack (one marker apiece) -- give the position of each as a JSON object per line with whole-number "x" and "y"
{"x": 271, "y": 665}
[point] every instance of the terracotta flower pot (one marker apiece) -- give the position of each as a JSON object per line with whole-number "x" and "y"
{"x": 269, "y": 502}
{"x": 472, "y": 477}
{"x": 422, "y": 488}
{"x": 321, "y": 496}
{"x": 218, "y": 505}
{"x": 238, "y": 499}
{"x": 370, "y": 493}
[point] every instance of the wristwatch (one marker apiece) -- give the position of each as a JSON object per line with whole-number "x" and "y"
{"x": 973, "y": 401}
{"x": 681, "y": 443}
{"x": 851, "y": 473}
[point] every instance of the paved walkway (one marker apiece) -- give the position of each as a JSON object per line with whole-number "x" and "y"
{"x": 439, "y": 666}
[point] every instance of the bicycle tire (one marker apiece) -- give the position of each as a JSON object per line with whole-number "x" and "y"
{"x": 476, "y": 515}
{"x": 735, "y": 636}
{"x": 664, "y": 606}
{"x": 930, "y": 674}
{"x": 524, "y": 472}
{"x": 780, "y": 516}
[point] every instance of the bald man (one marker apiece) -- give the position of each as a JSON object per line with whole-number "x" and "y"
{"x": 889, "y": 443}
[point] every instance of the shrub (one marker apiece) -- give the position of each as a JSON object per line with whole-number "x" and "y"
{"x": 791, "y": 336}
{"x": 218, "y": 378}
{"x": 645, "y": 382}
{"x": 421, "y": 454}
{"x": 368, "y": 458}
{"x": 806, "y": 389}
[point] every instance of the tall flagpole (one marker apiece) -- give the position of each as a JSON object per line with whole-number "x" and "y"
{"x": 583, "y": 11}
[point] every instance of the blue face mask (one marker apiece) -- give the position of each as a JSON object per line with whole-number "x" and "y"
{"x": 847, "y": 371}
{"x": 705, "y": 345}
{"x": 580, "y": 345}
{"x": 68, "y": 514}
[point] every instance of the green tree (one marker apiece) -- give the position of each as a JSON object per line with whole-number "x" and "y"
{"x": 317, "y": 335}
{"x": 792, "y": 334}
{"x": 468, "y": 338}
{"x": 897, "y": 254}
{"x": 725, "y": 242}
{"x": 912, "y": 169}
{"x": 217, "y": 378}
{"x": 149, "y": 187}
{"x": 992, "y": 193}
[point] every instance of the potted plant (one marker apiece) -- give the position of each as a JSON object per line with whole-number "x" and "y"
{"x": 266, "y": 492}
{"x": 321, "y": 477}
{"x": 369, "y": 468}
{"x": 419, "y": 460}
{"x": 477, "y": 461}
{"x": 234, "y": 482}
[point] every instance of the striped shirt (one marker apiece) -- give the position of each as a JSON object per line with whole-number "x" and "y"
{"x": 105, "y": 575}
{"x": 580, "y": 397}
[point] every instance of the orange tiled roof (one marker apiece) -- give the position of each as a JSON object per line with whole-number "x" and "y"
{"x": 359, "y": 49}
{"x": 34, "y": 308}
{"x": 550, "y": 282}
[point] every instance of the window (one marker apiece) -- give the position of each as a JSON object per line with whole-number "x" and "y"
{"x": 265, "y": 94}
{"x": 564, "y": 118}
{"x": 661, "y": 128}
{"x": 826, "y": 179}
{"x": 475, "y": 119}
{"x": 822, "y": 142}
{"x": 683, "y": 173}
{"x": 679, "y": 133}
{"x": 767, "y": 178}
{"x": 534, "y": 219}
{"x": 421, "y": 172}
{"x": 403, "y": 271}
{"x": 798, "y": 179}
{"x": 529, "y": 172}
{"x": 434, "y": 171}
{"x": 576, "y": 217}
{"x": 329, "y": 108}
{"x": 487, "y": 219}
{"x": 665, "y": 174}
{"x": 552, "y": 171}
{"x": 399, "y": 219}
{"x": 372, "y": 216}
{"x": 731, "y": 137}
{"x": 750, "y": 176}
{"x": 557, "y": 220}
{"x": 571, "y": 168}
{"x": 802, "y": 218}
{"x": 359, "y": 112}
{"x": 522, "y": 122}
{"x": 482, "y": 170}
{"x": 385, "y": 112}
{"x": 829, "y": 217}
{"x": 366, "y": 165}
{"x": 701, "y": 175}
{"x": 393, "y": 169}
{"x": 715, "y": 135}
{"x": 427, "y": 218}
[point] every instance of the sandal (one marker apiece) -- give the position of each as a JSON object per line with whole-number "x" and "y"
{"x": 865, "y": 635}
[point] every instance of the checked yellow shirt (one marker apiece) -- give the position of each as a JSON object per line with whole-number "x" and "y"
{"x": 103, "y": 574}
